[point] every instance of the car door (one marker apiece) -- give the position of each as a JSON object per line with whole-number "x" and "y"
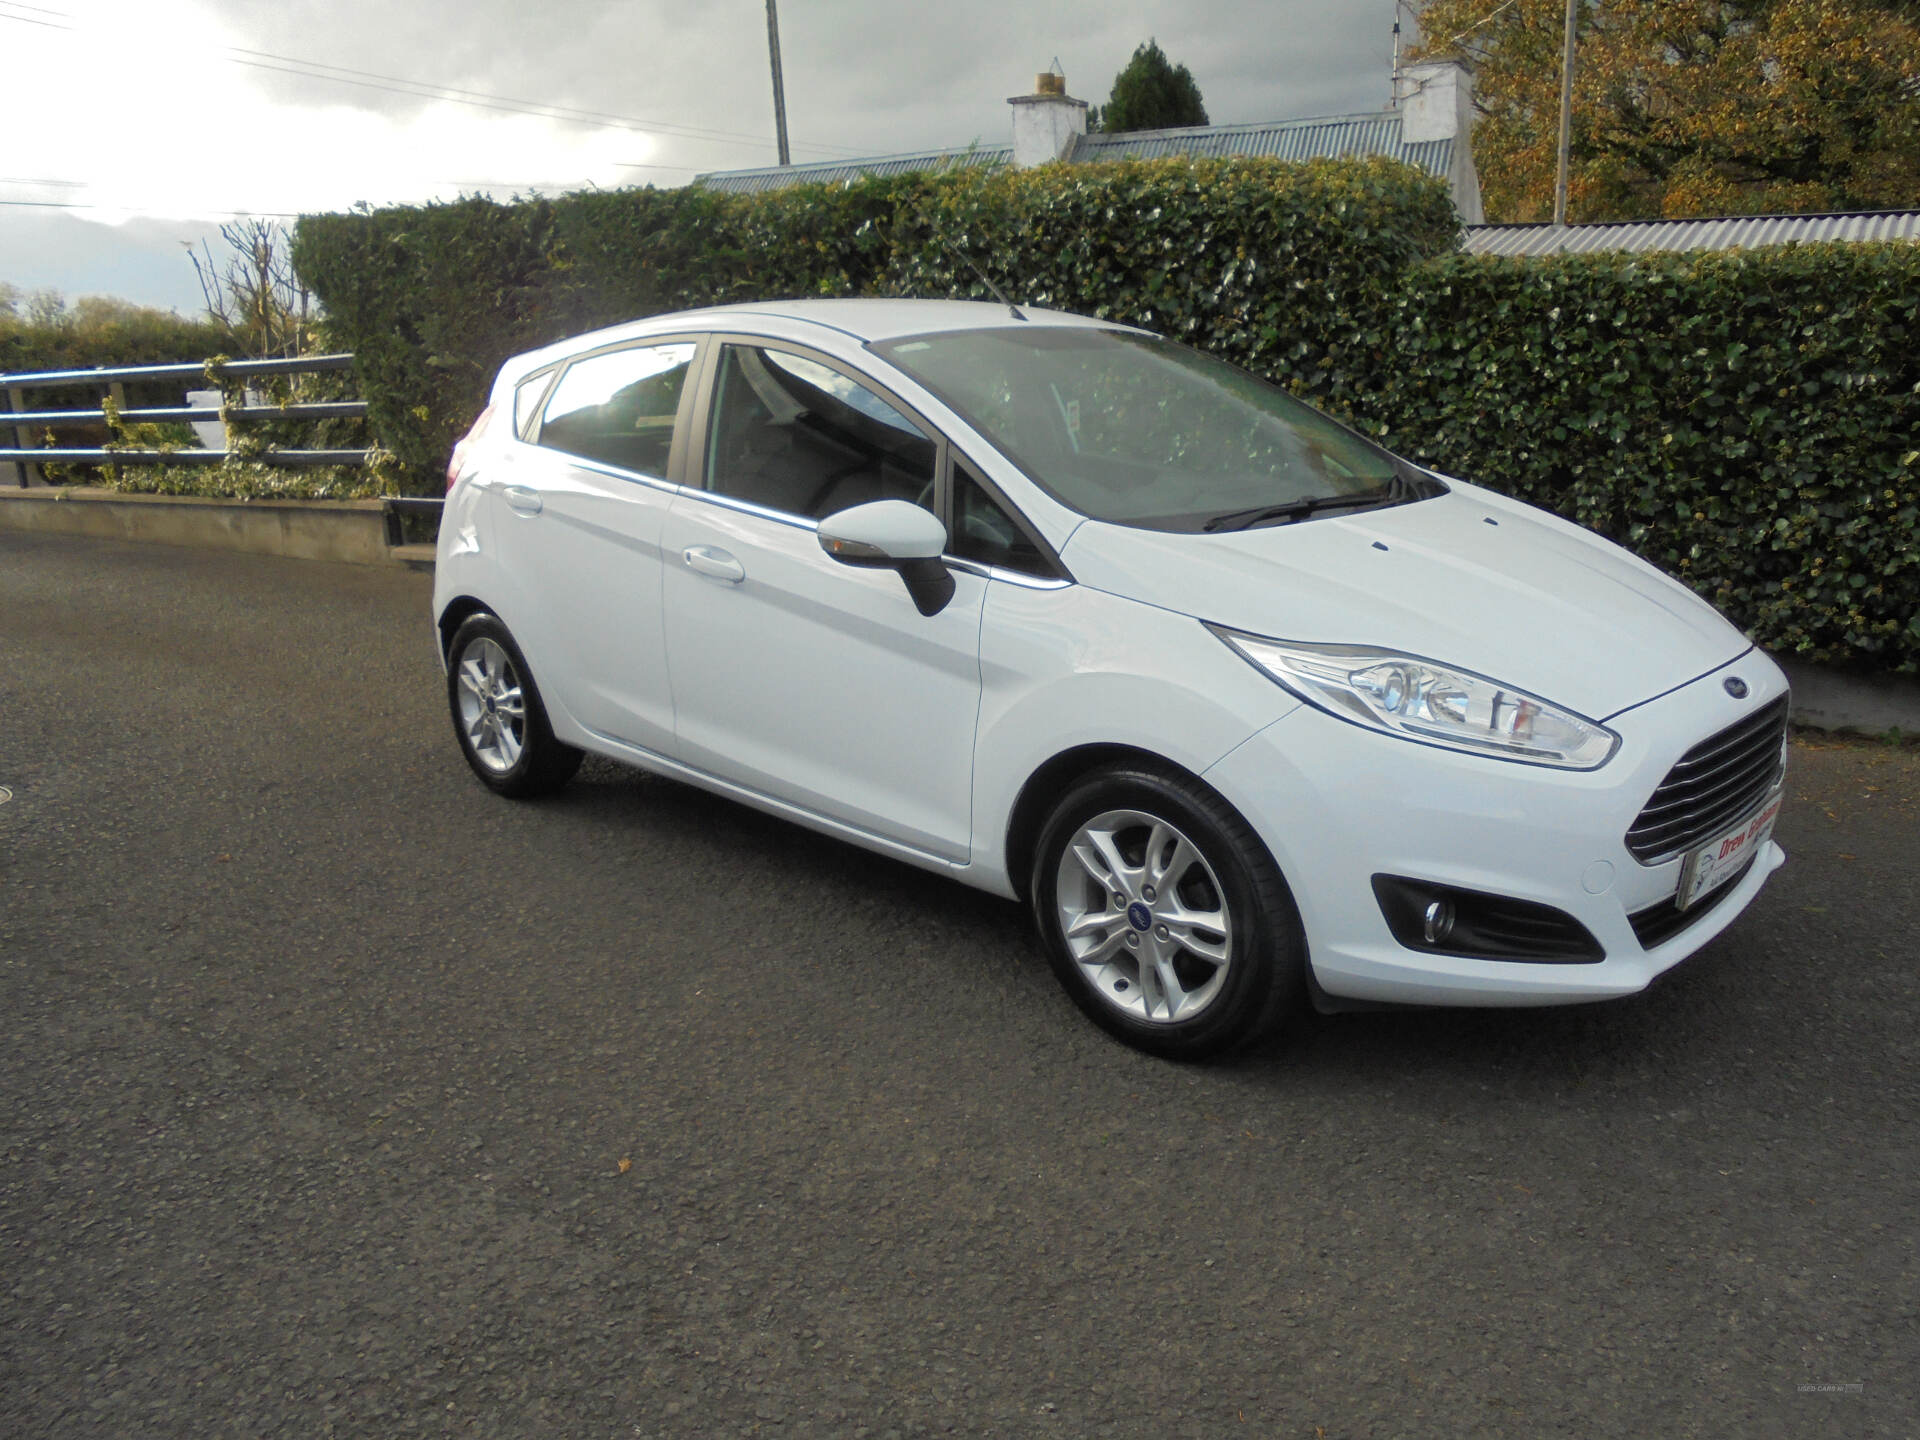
{"x": 798, "y": 677}
{"x": 583, "y": 509}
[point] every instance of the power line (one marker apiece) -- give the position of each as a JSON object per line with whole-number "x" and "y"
{"x": 29, "y": 20}
{"x": 454, "y": 92}
{"x": 81, "y": 205}
{"x": 428, "y": 90}
{"x": 508, "y": 106}
{"x": 477, "y": 185}
{"x": 1486, "y": 19}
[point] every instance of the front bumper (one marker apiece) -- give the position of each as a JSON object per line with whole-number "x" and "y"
{"x": 1338, "y": 804}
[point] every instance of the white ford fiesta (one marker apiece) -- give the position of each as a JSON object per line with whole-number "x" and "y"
{"x": 1246, "y": 708}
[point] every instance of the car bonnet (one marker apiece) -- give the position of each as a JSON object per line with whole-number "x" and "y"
{"x": 1468, "y": 579}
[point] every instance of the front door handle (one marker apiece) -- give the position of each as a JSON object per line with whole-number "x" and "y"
{"x": 710, "y": 560}
{"x": 523, "y": 498}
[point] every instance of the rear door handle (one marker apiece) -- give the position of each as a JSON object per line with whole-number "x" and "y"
{"x": 523, "y": 498}
{"x": 710, "y": 560}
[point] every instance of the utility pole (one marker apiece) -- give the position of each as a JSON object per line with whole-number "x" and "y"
{"x": 1394, "y": 103}
{"x": 1566, "y": 116}
{"x": 779, "y": 87}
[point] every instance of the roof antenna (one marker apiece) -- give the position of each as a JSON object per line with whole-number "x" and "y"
{"x": 985, "y": 279}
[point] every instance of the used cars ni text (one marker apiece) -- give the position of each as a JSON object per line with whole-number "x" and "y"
{"x": 1245, "y": 708}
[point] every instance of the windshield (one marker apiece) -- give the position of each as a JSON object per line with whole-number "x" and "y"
{"x": 1141, "y": 431}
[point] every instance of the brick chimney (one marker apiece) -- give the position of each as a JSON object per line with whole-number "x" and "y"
{"x": 1046, "y": 123}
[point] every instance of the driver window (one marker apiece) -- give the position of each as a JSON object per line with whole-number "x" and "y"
{"x": 984, "y": 532}
{"x": 799, "y": 437}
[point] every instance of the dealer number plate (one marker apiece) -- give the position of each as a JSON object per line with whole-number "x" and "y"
{"x": 1712, "y": 865}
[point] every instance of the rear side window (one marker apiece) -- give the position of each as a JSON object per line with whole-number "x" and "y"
{"x": 797, "y": 436}
{"x": 619, "y": 408}
{"x": 526, "y": 398}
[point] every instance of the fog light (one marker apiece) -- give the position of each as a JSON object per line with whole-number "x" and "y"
{"x": 1446, "y": 920}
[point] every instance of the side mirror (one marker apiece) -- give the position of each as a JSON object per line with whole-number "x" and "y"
{"x": 894, "y": 535}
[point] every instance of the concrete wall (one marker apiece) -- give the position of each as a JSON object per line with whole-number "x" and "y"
{"x": 350, "y": 530}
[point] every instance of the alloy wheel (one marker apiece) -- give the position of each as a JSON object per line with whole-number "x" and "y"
{"x": 493, "y": 708}
{"x": 1144, "y": 916}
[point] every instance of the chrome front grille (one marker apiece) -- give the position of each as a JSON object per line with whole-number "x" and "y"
{"x": 1714, "y": 784}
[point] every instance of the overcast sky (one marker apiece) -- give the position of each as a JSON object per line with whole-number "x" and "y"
{"x": 151, "y": 120}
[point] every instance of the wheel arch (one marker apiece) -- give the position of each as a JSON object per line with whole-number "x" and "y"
{"x": 1046, "y": 785}
{"x": 458, "y": 611}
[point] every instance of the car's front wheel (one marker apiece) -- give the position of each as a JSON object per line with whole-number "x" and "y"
{"x": 498, "y": 716}
{"x": 1164, "y": 916}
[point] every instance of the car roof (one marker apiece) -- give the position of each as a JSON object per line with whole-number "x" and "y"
{"x": 889, "y": 319}
{"x": 862, "y": 321}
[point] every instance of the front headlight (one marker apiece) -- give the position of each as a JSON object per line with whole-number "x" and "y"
{"x": 1420, "y": 700}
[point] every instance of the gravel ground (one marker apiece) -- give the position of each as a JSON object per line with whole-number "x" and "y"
{"x": 343, "y": 1098}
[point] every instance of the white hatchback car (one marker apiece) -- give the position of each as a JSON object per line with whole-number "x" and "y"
{"x": 1242, "y": 705}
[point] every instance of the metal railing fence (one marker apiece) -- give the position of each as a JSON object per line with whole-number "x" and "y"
{"x": 27, "y": 456}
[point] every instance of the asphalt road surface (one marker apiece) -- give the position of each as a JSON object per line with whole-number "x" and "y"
{"x": 343, "y": 1098}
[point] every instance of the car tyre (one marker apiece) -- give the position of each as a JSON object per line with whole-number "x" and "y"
{"x": 498, "y": 716}
{"x": 1164, "y": 916}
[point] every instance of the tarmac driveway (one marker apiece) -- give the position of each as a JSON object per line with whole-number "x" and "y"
{"x": 342, "y": 1098}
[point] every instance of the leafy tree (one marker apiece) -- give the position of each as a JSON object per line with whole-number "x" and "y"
{"x": 41, "y": 331}
{"x": 47, "y": 310}
{"x": 1692, "y": 107}
{"x": 1151, "y": 93}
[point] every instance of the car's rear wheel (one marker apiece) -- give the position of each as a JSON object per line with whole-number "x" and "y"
{"x": 1164, "y": 916}
{"x": 498, "y": 716}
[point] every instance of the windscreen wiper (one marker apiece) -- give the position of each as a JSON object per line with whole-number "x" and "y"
{"x": 1300, "y": 509}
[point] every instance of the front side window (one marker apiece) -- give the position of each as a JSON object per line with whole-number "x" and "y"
{"x": 618, "y": 408}
{"x": 984, "y": 532}
{"x": 1140, "y": 431}
{"x": 799, "y": 437}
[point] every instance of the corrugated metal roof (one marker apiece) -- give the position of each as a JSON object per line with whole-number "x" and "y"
{"x": 1326, "y": 138}
{"x": 833, "y": 172}
{"x": 1723, "y": 233}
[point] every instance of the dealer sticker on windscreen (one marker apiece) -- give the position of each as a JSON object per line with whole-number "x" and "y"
{"x": 1715, "y": 863}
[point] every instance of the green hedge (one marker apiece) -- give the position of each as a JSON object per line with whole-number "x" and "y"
{"x": 98, "y": 332}
{"x": 432, "y": 299}
{"x": 1286, "y": 269}
{"x": 1745, "y": 420}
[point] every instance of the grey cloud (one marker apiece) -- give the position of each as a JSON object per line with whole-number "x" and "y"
{"x": 863, "y": 77}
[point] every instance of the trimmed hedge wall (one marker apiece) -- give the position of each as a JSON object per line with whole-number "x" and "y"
{"x": 1747, "y": 420}
{"x": 432, "y": 299}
